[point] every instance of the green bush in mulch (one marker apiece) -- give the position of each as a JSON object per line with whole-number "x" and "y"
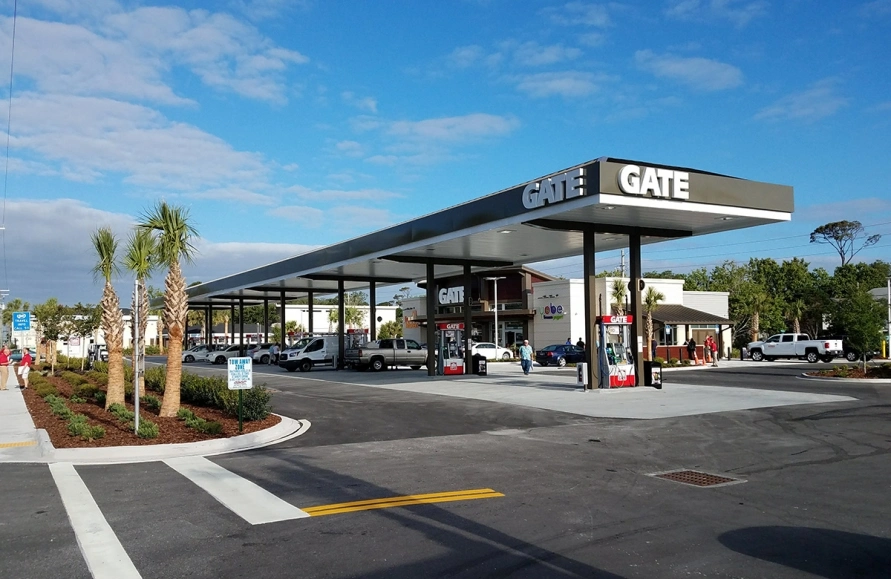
{"x": 153, "y": 403}
{"x": 198, "y": 423}
{"x": 213, "y": 392}
{"x": 78, "y": 425}
{"x": 147, "y": 428}
{"x": 73, "y": 378}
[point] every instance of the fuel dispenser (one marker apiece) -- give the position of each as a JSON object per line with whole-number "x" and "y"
{"x": 616, "y": 355}
{"x": 450, "y": 348}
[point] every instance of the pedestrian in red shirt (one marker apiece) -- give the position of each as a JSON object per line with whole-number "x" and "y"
{"x": 4, "y": 366}
{"x": 25, "y": 367}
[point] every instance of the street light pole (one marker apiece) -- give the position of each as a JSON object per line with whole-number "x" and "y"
{"x": 495, "y": 279}
{"x": 888, "y": 341}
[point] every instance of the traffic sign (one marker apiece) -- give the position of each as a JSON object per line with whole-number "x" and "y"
{"x": 241, "y": 374}
{"x": 21, "y": 321}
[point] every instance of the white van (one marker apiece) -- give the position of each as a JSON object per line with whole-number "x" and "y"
{"x": 308, "y": 352}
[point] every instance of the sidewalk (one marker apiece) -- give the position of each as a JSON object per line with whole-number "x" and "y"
{"x": 18, "y": 437}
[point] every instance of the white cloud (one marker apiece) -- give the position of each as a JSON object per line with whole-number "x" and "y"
{"x": 237, "y": 195}
{"x": 533, "y": 54}
{"x": 864, "y": 209}
{"x": 349, "y": 148}
{"x": 698, "y": 73}
{"x": 66, "y": 58}
{"x": 465, "y": 56}
{"x": 454, "y": 129}
{"x": 568, "y": 84}
{"x": 818, "y": 101}
{"x": 92, "y": 137}
{"x": 583, "y": 13}
{"x": 739, "y": 12}
{"x": 302, "y": 214}
{"x": 223, "y": 52}
{"x": 362, "y": 103}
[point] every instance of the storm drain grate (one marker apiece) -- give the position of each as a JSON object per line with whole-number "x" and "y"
{"x": 697, "y": 479}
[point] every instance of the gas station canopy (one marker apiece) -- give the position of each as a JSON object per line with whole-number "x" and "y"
{"x": 535, "y": 221}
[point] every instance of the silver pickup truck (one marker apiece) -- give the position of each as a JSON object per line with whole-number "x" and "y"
{"x": 385, "y": 353}
{"x": 798, "y": 346}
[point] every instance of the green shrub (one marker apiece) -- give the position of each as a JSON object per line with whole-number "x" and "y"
{"x": 659, "y": 359}
{"x": 153, "y": 403}
{"x": 256, "y": 402}
{"x": 57, "y": 405}
{"x": 85, "y": 390}
{"x": 154, "y": 378}
{"x": 97, "y": 377}
{"x": 44, "y": 388}
{"x": 147, "y": 429}
{"x": 198, "y": 423}
{"x": 674, "y": 361}
{"x": 77, "y": 399}
{"x": 841, "y": 371}
{"x": 73, "y": 378}
{"x": 685, "y": 362}
{"x": 99, "y": 397}
{"x": 100, "y": 366}
{"x": 121, "y": 413}
{"x": 79, "y": 426}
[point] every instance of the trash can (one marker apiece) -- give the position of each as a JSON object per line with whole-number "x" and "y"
{"x": 653, "y": 374}
{"x": 478, "y": 364}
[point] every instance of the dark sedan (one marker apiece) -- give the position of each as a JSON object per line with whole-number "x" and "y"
{"x": 559, "y": 354}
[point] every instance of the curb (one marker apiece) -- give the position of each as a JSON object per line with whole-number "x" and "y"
{"x": 848, "y": 380}
{"x": 285, "y": 430}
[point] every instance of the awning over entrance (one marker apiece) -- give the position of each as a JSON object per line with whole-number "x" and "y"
{"x": 675, "y": 314}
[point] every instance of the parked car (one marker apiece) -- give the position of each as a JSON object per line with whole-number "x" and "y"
{"x": 260, "y": 354}
{"x": 798, "y": 346}
{"x": 852, "y": 354}
{"x": 559, "y": 354}
{"x": 252, "y": 348}
{"x": 220, "y": 356}
{"x": 309, "y": 352}
{"x": 196, "y": 353}
{"x": 491, "y": 351}
{"x": 385, "y": 353}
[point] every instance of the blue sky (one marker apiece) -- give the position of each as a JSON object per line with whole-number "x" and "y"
{"x": 288, "y": 125}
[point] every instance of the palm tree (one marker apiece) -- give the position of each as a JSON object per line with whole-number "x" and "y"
{"x": 794, "y": 310}
{"x": 620, "y": 290}
{"x": 651, "y": 302}
{"x": 222, "y": 317}
{"x": 174, "y": 244}
{"x": 156, "y": 294}
{"x": 140, "y": 259}
{"x": 757, "y": 302}
{"x": 106, "y": 246}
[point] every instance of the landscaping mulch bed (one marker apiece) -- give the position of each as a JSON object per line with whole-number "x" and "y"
{"x": 883, "y": 371}
{"x": 117, "y": 433}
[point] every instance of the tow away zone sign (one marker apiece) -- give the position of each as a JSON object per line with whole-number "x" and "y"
{"x": 241, "y": 374}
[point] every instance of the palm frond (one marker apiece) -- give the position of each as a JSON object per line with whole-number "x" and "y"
{"x": 141, "y": 257}
{"x": 175, "y": 233}
{"x": 106, "y": 245}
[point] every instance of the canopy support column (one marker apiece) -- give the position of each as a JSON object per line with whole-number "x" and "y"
{"x": 431, "y": 319}
{"x": 341, "y": 324}
{"x": 265, "y": 321}
{"x": 636, "y": 344}
{"x": 310, "y": 298}
{"x": 592, "y": 353}
{"x": 241, "y": 351}
{"x": 372, "y": 310}
{"x": 468, "y": 324}
{"x": 281, "y": 321}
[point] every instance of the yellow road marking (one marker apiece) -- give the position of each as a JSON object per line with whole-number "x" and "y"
{"x": 15, "y": 444}
{"x": 402, "y": 501}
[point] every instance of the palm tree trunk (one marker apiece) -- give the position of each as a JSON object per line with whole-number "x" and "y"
{"x": 796, "y": 326}
{"x": 756, "y": 326}
{"x": 649, "y": 323}
{"x": 113, "y": 325}
{"x": 176, "y": 308}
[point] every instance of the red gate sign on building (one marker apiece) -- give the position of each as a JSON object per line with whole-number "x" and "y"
{"x": 450, "y": 326}
{"x": 622, "y": 320}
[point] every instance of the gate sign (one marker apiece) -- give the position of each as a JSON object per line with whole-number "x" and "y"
{"x": 241, "y": 374}
{"x": 450, "y": 326}
{"x": 21, "y": 321}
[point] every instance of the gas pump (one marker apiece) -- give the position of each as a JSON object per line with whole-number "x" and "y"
{"x": 615, "y": 351}
{"x": 355, "y": 338}
{"x": 450, "y": 347}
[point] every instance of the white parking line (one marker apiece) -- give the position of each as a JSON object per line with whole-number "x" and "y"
{"x": 102, "y": 551}
{"x": 244, "y": 498}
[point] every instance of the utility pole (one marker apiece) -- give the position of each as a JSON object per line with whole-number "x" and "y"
{"x": 622, "y": 266}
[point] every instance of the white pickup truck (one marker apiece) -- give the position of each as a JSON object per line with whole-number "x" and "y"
{"x": 798, "y": 346}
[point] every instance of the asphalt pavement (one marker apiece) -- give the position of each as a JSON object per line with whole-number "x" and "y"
{"x": 400, "y": 476}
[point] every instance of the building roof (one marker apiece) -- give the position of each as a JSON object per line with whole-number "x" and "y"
{"x": 539, "y": 220}
{"x": 678, "y": 314}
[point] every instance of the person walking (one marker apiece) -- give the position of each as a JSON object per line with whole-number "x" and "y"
{"x": 526, "y": 357}
{"x": 580, "y": 344}
{"x": 273, "y": 355}
{"x": 4, "y": 366}
{"x": 691, "y": 350}
{"x": 25, "y": 367}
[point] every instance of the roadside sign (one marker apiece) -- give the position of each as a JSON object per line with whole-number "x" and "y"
{"x": 21, "y": 321}
{"x": 241, "y": 374}
{"x": 74, "y": 341}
